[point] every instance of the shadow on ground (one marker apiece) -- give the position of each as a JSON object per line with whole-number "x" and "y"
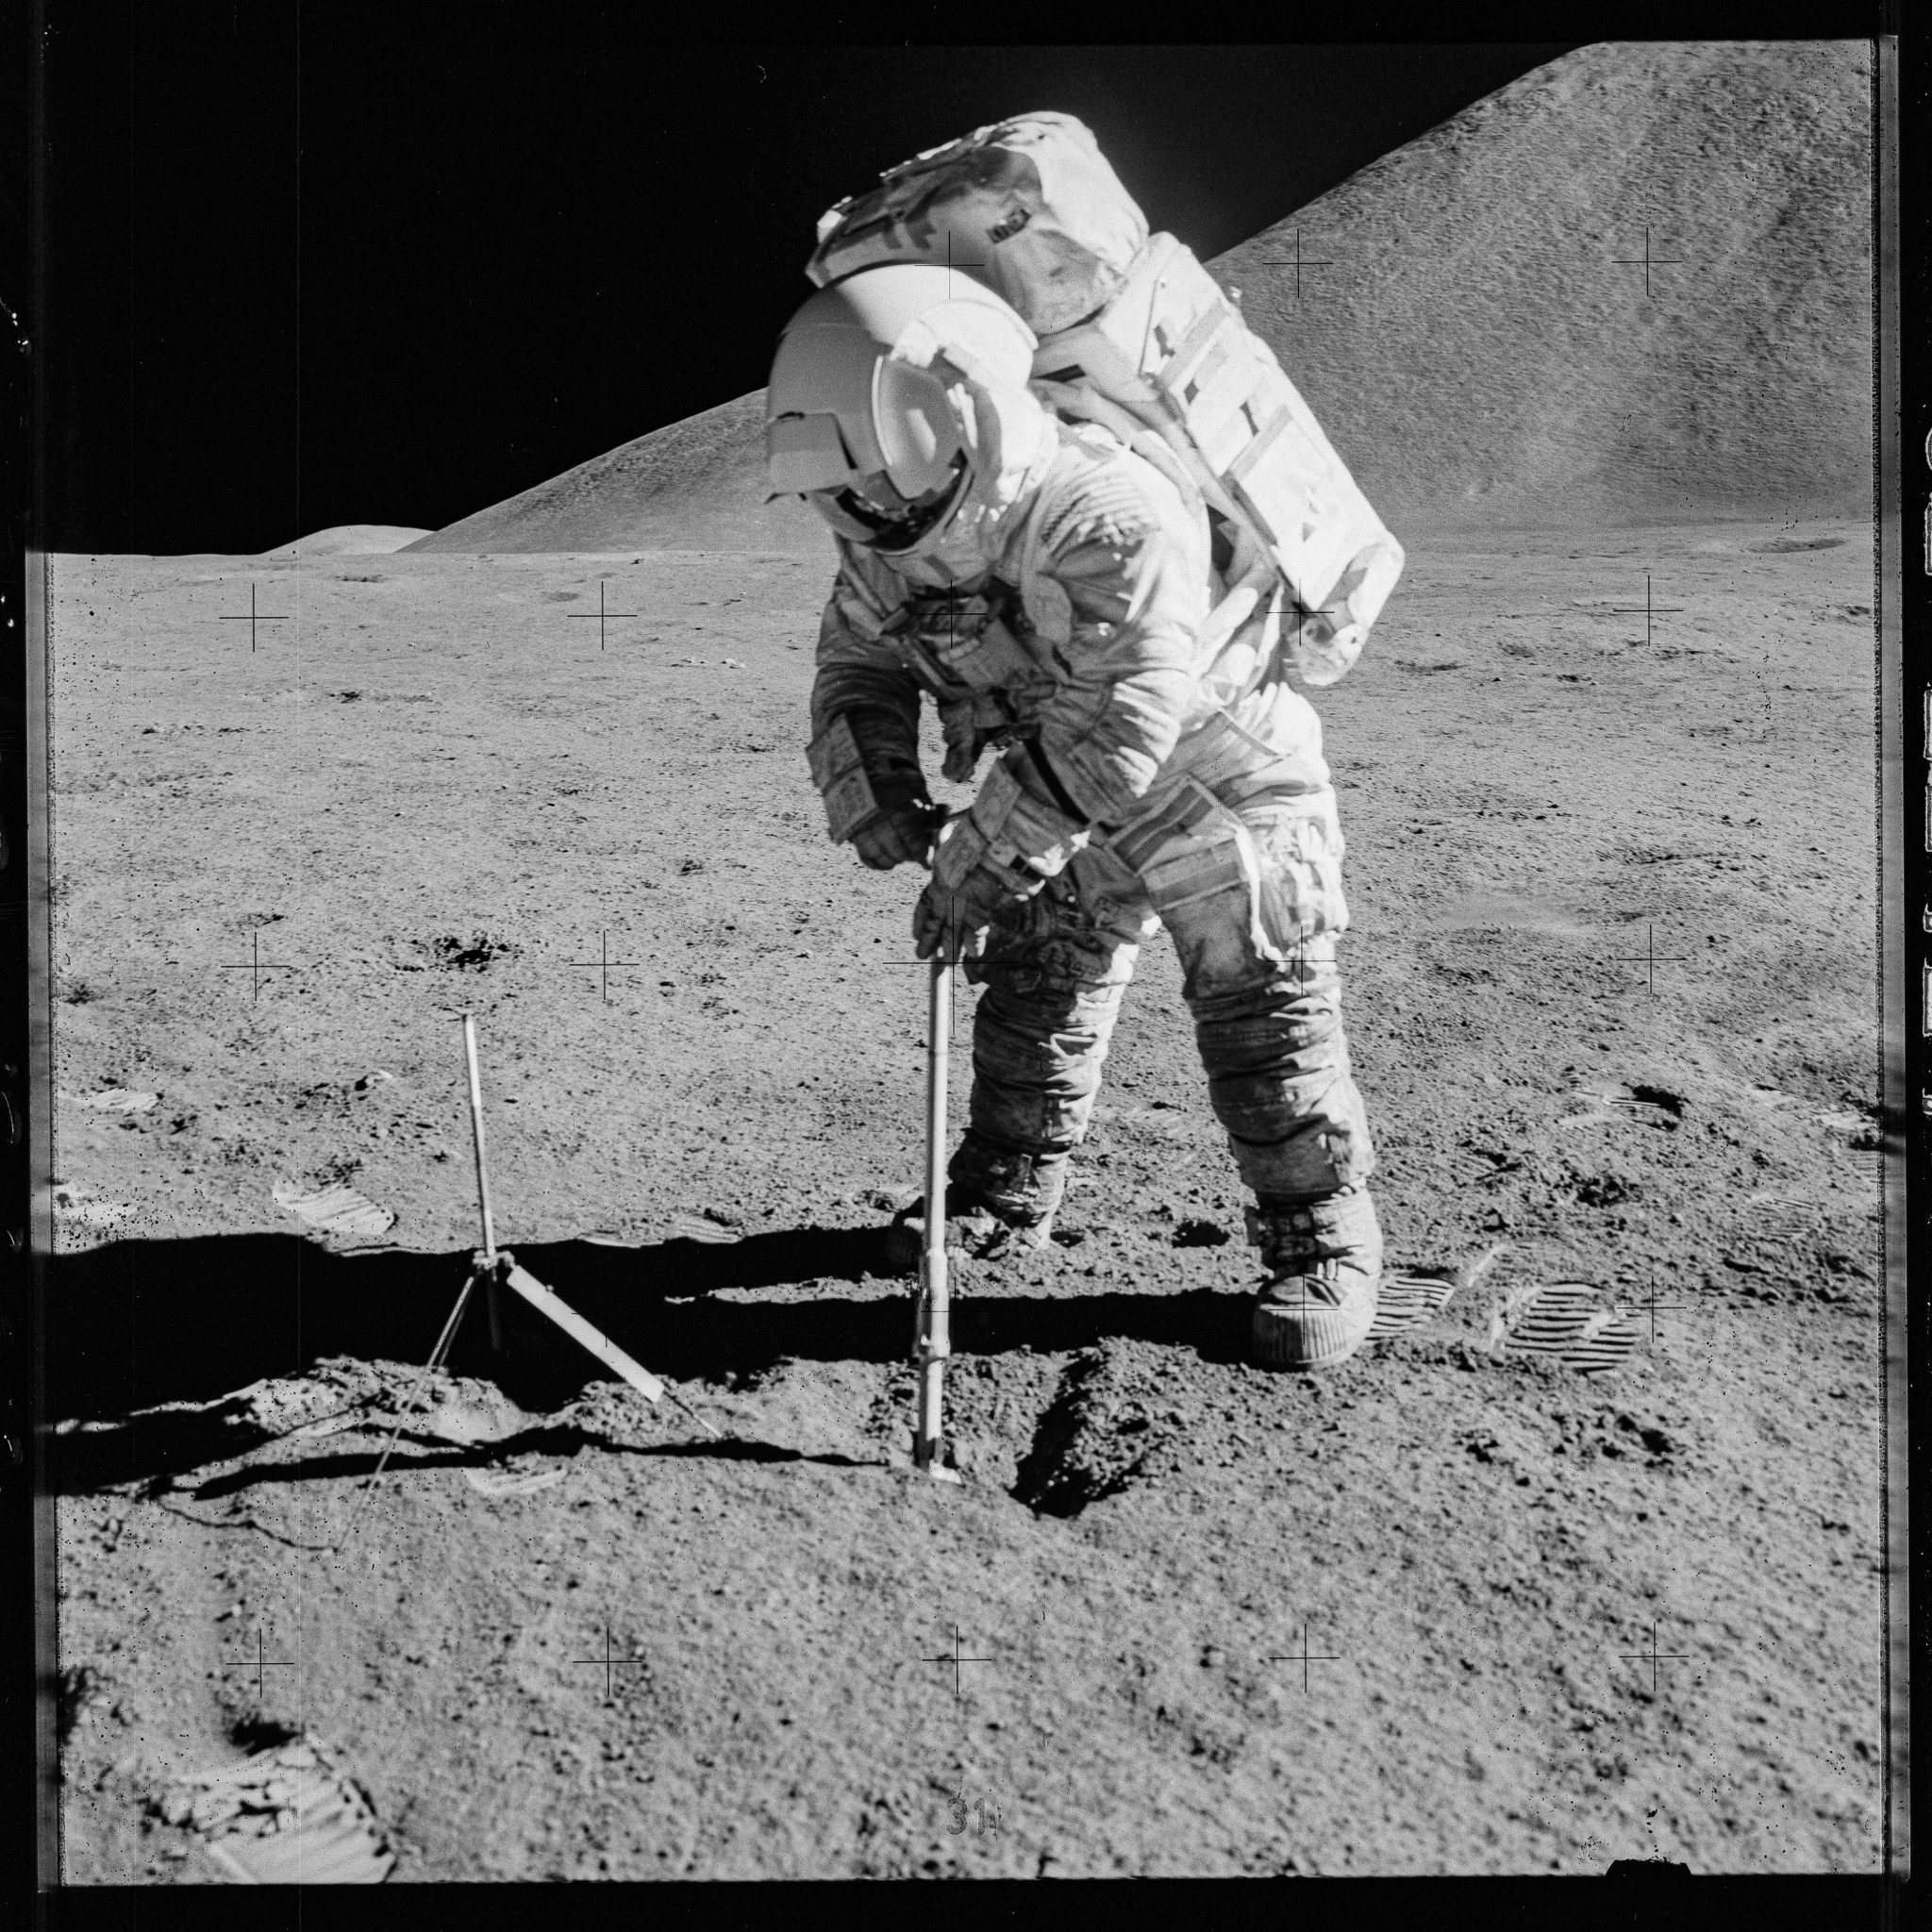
{"x": 142, "y": 1325}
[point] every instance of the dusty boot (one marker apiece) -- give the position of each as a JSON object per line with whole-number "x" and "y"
{"x": 973, "y": 1229}
{"x": 997, "y": 1203}
{"x": 1325, "y": 1269}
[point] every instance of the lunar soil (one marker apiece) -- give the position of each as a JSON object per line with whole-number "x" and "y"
{"x": 1455, "y": 1607}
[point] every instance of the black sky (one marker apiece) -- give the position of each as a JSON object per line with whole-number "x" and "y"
{"x": 376, "y": 267}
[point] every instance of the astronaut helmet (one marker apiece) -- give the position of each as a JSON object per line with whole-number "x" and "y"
{"x": 898, "y": 393}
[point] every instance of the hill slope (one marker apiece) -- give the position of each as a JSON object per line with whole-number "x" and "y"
{"x": 695, "y": 485}
{"x": 351, "y": 539}
{"x": 1473, "y": 321}
{"x": 1478, "y": 352}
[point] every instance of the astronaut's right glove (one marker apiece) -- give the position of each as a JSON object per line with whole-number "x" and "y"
{"x": 874, "y": 792}
{"x": 951, "y": 922}
{"x": 969, "y": 885}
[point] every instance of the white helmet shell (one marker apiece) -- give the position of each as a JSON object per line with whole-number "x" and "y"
{"x": 896, "y": 376}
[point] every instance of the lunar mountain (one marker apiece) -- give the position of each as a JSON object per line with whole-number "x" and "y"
{"x": 1631, "y": 286}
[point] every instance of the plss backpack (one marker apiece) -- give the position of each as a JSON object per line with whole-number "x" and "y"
{"x": 1134, "y": 334}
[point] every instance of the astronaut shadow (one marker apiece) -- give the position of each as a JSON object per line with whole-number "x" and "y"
{"x": 152, "y": 1342}
{"x": 1209, "y": 1323}
{"x": 681, "y": 1268}
{"x": 663, "y": 1303}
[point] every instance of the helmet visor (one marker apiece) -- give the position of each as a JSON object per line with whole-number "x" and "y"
{"x": 869, "y": 510}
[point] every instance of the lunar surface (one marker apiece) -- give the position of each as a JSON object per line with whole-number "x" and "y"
{"x": 1580, "y": 1561}
{"x": 446, "y": 784}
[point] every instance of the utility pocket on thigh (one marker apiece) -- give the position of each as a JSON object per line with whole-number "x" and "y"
{"x": 1300, "y": 848}
{"x": 1207, "y": 886}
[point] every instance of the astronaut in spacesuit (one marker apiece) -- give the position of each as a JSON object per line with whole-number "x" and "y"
{"x": 1048, "y": 587}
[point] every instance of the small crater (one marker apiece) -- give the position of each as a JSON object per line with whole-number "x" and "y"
{"x": 1672, "y": 1103}
{"x": 1784, "y": 546}
{"x": 255, "y": 1733}
{"x": 473, "y": 955}
{"x": 1200, "y": 1233}
{"x": 1096, "y": 1433}
{"x": 1654, "y": 1106}
{"x": 1615, "y": 1434}
{"x": 1604, "y": 1190}
{"x": 1660, "y": 1443}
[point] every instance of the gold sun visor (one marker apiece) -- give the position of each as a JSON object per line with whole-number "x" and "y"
{"x": 806, "y": 453}
{"x": 915, "y": 424}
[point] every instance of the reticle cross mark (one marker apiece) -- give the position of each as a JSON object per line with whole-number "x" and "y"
{"x": 604, "y": 963}
{"x": 1650, "y": 958}
{"x": 1303, "y": 612}
{"x": 1299, "y": 262}
{"x": 255, "y": 965}
{"x": 612, "y": 1662}
{"x": 262, "y": 1663}
{"x": 1646, "y": 262}
{"x": 1653, "y": 1307}
{"x": 1649, "y": 609}
{"x": 953, "y": 969}
{"x": 952, "y": 266}
{"x": 958, "y": 1660}
{"x": 1305, "y": 1656}
{"x": 252, "y": 618}
{"x": 601, "y": 615}
{"x": 1654, "y": 1658}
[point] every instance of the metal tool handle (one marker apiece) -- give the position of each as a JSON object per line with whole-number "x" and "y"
{"x": 933, "y": 1342}
{"x": 491, "y": 1297}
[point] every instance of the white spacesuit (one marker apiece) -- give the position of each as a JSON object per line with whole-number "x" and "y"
{"x": 1048, "y": 586}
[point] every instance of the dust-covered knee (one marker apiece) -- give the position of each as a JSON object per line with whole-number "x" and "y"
{"x": 1294, "y": 1037}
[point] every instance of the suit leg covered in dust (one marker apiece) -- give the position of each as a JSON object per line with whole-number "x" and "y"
{"x": 1257, "y": 952}
{"x": 1051, "y": 595}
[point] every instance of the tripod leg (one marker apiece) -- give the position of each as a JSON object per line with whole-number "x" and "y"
{"x": 429, "y": 1368}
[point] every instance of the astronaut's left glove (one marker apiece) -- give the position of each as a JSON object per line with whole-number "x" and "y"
{"x": 866, "y": 767}
{"x": 901, "y": 831}
{"x": 968, "y": 888}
